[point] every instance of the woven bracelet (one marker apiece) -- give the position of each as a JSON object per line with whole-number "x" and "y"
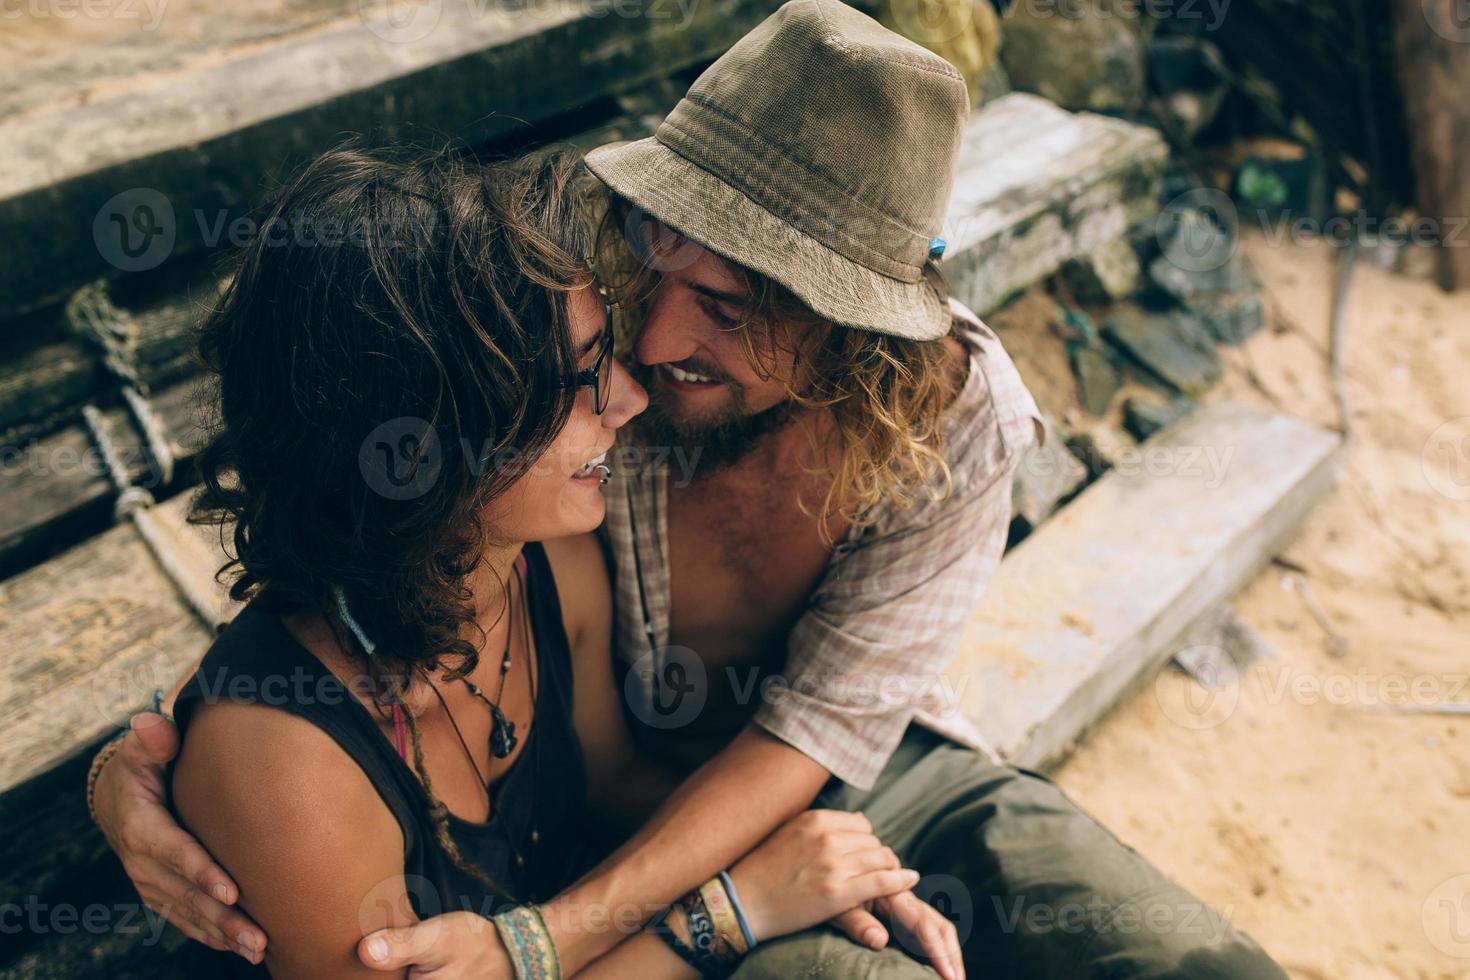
{"x": 529, "y": 943}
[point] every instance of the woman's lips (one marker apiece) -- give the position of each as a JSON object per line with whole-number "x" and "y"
{"x": 592, "y": 470}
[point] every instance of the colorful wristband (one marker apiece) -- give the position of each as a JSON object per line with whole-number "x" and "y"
{"x": 740, "y": 919}
{"x": 722, "y": 914}
{"x": 528, "y": 941}
{"x": 714, "y": 956}
{"x": 660, "y": 927}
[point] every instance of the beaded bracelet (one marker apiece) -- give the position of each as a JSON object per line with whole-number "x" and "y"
{"x": 103, "y": 757}
{"x": 528, "y": 941}
{"x": 108, "y": 750}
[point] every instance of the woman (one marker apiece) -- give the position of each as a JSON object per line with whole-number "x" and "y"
{"x": 416, "y": 708}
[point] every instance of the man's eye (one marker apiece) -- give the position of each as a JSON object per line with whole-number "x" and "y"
{"x": 713, "y": 312}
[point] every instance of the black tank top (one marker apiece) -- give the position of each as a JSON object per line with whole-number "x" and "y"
{"x": 256, "y": 660}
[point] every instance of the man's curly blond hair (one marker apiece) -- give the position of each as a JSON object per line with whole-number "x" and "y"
{"x": 886, "y": 395}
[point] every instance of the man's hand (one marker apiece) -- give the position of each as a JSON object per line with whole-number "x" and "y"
{"x": 454, "y": 946}
{"x": 921, "y": 929}
{"x": 174, "y": 874}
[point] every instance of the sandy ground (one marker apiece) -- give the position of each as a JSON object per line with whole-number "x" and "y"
{"x": 1324, "y": 823}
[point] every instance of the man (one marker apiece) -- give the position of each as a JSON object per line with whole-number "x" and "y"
{"x": 857, "y": 436}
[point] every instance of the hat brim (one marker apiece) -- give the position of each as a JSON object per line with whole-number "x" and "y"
{"x": 704, "y": 208}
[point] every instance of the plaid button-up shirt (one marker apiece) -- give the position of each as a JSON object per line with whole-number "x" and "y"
{"x": 869, "y": 653}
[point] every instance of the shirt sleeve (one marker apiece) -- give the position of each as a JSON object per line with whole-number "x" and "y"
{"x": 883, "y": 626}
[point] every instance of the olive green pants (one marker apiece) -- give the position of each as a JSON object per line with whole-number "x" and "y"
{"x": 1035, "y": 887}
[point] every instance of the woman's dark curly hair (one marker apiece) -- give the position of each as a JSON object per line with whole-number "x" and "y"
{"x": 388, "y": 357}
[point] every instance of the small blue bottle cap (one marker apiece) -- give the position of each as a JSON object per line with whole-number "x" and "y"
{"x": 936, "y": 247}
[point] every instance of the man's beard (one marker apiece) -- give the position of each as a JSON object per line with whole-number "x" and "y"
{"x": 720, "y": 441}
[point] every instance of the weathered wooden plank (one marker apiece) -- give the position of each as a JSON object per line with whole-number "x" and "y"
{"x": 85, "y": 638}
{"x": 47, "y": 382}
{"x": 1038, "y": 185}
{"x": 194, "y": 144}
{"x": 54, "y": 491}
{"x": 42, "y": 388}
{"x": 84, "y": 641}
{"x": 193, "y": 554}
{"x": 1094, "y": 599}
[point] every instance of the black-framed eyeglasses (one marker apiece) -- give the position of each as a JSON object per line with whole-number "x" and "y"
{"x": 599, "y": 376}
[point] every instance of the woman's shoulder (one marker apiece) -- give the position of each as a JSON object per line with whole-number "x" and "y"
{"x": 298, "y": 824}
{"x": 267, "y": 728}
{"x": 252, "y": 759}
{"x": 237, "y": 741}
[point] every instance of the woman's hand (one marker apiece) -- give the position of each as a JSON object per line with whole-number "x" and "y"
{"x": 174, "y": 874}
{"x": 816, "y": 865}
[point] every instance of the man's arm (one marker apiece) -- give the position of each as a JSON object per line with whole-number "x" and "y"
{"x": 717, "y": 815}
{"x": 709, "y": 822}
{"x": 175, "y": 876}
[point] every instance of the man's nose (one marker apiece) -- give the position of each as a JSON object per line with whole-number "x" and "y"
{"x": 664, "y": 337}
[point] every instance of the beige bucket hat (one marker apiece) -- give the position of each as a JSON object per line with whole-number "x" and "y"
{"x": 820, "y": 151}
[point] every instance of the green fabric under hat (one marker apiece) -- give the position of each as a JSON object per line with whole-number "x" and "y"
{"x": 820, "y": 151}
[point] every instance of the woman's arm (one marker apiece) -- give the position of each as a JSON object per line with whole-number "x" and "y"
{"x": 317, "y": 855}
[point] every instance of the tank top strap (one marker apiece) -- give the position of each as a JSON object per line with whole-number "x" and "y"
{"x": 256, "y": 660}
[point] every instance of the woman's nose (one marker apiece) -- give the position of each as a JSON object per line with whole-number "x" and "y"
{"x": 626, "y": 399}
